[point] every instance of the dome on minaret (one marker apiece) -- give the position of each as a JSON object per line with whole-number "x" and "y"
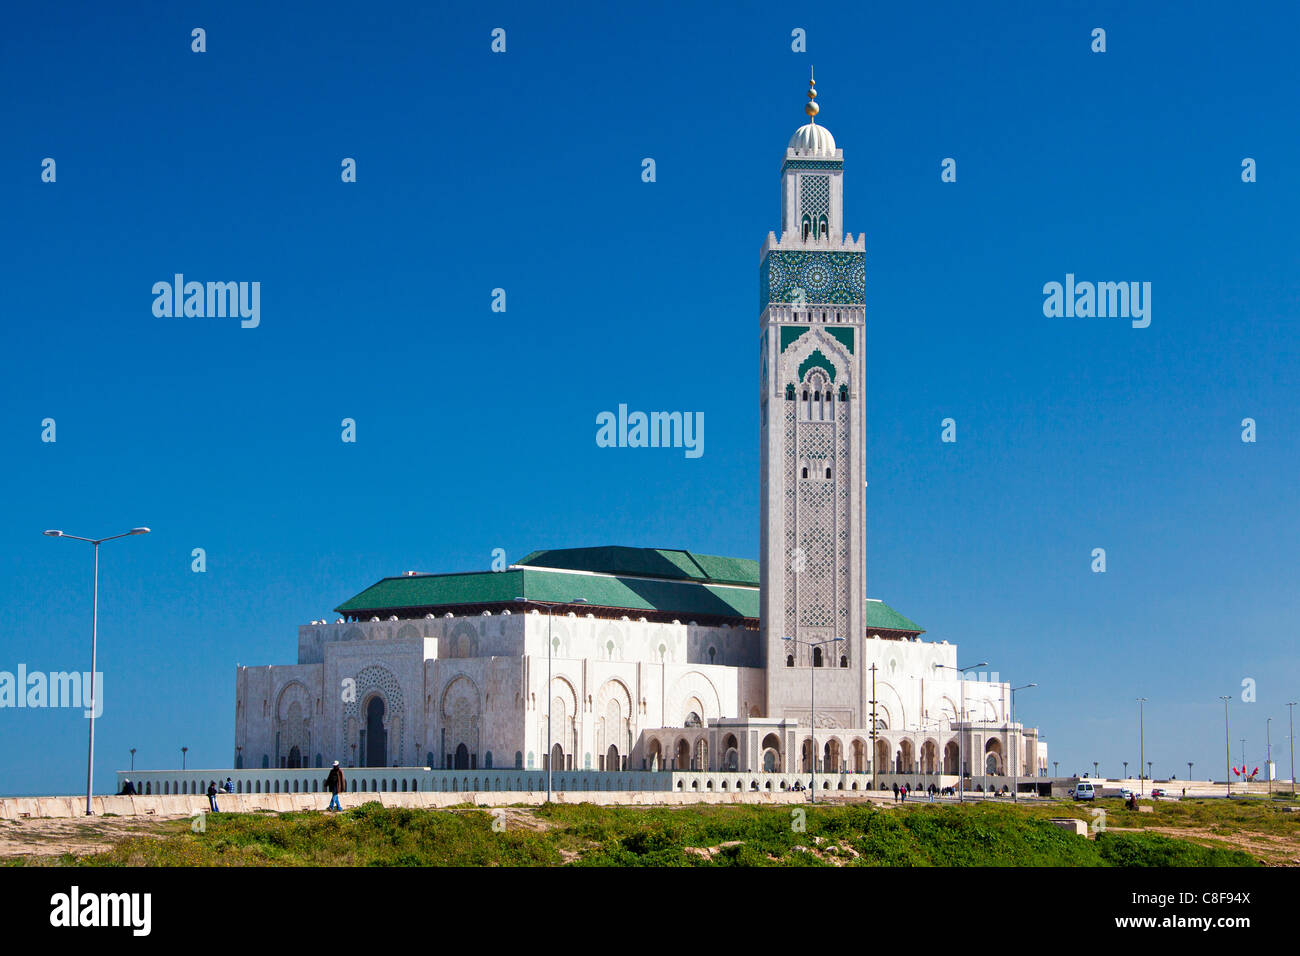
{"x": 811, "y": 138}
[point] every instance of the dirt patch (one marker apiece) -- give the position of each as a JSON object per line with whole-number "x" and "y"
{"x": 46, "y": 837}
{"x": 1271, "y": 849}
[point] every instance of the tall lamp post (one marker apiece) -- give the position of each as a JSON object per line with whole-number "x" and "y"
{"x": 1125, "y": 769}
{"x": 1227, "y": 745}
{"x": 871, "y": 758}
{"x": 1015, "y": 760}
{"x": 961, "y": 733}
{"x": 1291, "y": 712}
{"x": 184, "y": 751}
{"x": 550, "y": 615}
{"x": 812, "y": 707}
{"x": 94, "y": 641}
{"x": 1268, "y": 753}
{"x": 1141, "y": 746}
{"x": 132, "y": 753}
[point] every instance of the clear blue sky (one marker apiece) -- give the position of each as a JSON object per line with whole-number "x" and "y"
{"x": 476, "y": 430}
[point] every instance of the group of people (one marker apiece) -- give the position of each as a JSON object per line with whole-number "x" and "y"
{"x": 900, "y": 793}
{"x": 334, "y": 783}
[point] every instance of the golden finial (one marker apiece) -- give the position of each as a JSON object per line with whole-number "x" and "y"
{"x": 811, "y": 108}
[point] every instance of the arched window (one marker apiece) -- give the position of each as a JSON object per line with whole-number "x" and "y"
{"x": 828, "y": 473}
{"x": 844, "y": 661}
{"x": 789, "y": 393}
{"x": 817, "y": 657}
{"x": 789, "y": 660}
{"x": 805, "y": 473}
{"x": 844, "y": 393}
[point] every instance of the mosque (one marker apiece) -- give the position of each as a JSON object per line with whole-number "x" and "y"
{"x": 622, "y": 658}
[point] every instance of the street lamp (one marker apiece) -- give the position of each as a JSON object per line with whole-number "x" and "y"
{"x": 1056, "y": 768}
{"x": 1125, "y": 769}
{"x": 1141, "y": 745}
{"x": 550, "y": 615}
{"x": 812, "y": 711}
{"x": 961, "y": 735}
{"x": 1227, "y": 746}
{"x": 1291, "y": 712}
{"x": 94, "y": 641}
{"x": 132, "y": 752}
{"x": 1268, "y": 754}
{"x": 184, "y": 750}
{"x": 1189, "y": 771}
{"x": 1015, "y": 761}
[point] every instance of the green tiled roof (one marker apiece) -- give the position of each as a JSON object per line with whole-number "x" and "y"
{"x": 882, "y": 617}
{"x": 669, "y": 563}
{"x": 432, "y": 590}
{"x": 634, "y": 579}
{"x": 538, "y": 584}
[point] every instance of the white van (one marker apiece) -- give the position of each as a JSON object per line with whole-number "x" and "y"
{"x": 1084, "y": 790}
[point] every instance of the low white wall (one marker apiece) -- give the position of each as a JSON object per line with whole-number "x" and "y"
{"x": 362, "y": 780}
{"x": 19, "y": 808}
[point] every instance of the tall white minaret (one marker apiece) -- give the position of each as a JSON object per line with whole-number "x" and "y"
{"x": 811, "y": 414}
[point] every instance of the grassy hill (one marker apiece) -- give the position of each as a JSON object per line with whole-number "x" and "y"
{"x": 980, "y": 834}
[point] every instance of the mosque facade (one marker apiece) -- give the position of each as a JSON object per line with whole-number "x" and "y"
{"x": 621, "y": 658}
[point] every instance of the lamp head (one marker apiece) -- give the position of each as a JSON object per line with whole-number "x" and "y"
{"x": 138, "y": 531}
{"x": 55, "y": 534}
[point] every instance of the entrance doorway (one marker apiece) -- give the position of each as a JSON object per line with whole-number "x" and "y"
{"x": 376, "y": 737}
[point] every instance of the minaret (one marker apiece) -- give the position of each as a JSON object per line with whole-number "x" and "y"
{"x": 811, "y": 414}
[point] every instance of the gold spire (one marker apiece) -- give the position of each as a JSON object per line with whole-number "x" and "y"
{"x": 811, "y": 108}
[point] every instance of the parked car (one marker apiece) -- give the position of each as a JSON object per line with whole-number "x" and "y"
{"x": 1156, "y": 792}
{"x": 1085, "y": 790}
{"x": 1125, "y": 792}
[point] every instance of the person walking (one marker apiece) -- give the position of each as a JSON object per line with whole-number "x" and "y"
{"x": 212, "y": 796}
{"x": 895, "y": 792}
{"x": 334, "y": 783}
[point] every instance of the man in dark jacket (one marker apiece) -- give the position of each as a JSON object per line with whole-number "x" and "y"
{"x": 334, "y": 783}
{"x": 212, "y": 796}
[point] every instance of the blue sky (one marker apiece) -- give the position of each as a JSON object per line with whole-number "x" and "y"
{"x": 476, "y": 430}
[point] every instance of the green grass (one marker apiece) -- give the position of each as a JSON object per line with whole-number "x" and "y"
{"x": 979, "y": 834}
{"x": 1225, "y": 816}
